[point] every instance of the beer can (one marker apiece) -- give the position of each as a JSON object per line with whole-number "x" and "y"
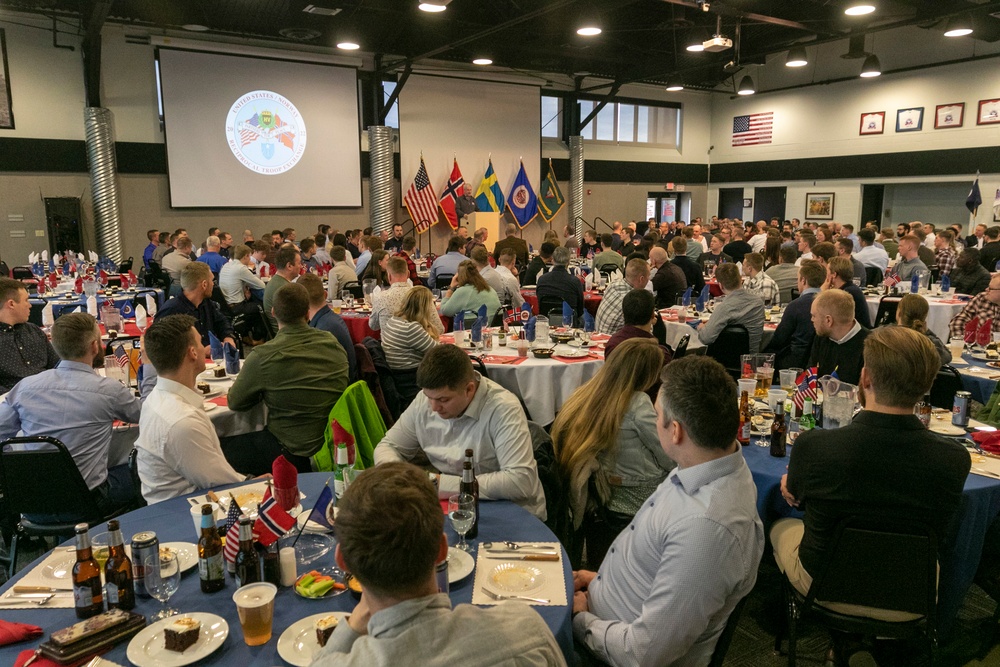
{"x": 144, "y": 545}
{"x": 441, "y": 574}
{"x": 960, "y": 411}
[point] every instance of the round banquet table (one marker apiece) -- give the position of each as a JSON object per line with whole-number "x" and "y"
{"x": 591, "y": 300}
{"x": 977, "y": 378}
{"x": 65, "y": 302}
{"x": 501, "y": 520}
{"x": 676, "y": 329}
{"x": 939, "y": 315}
{"x": 960, "y": 558}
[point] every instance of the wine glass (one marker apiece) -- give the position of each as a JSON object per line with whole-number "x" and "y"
{"x": 462, "y": 512}
{"x": 162, "y": 579}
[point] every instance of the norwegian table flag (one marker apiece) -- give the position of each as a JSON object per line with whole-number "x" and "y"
{"x": 805, "y": 387}
{"x": 272, "y": 521}
{"x": 971, "y": 327}
{"x": 78, "y": 286}
{"x": 263, "y": 270}
{"x": 132, "y": 278}
{"x": 232, "y": 531}
{"x": 125, "y": 281}
{"x": 985, "y": 333}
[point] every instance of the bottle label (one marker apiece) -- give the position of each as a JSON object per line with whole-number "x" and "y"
{"x": 212, "y": 568}
{"x": 745, "y": 430}
{"x": 83, "y": 596}
{"x": 111, "y": 593}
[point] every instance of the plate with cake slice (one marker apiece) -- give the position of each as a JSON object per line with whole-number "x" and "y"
{"x": 178, "y": 640}
{"x": 303, "y": 639}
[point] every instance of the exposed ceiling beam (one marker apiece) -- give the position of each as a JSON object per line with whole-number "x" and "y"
{"x": 725, "y": 10}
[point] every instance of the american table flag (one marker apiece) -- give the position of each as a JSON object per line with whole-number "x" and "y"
{"x": 232, "y": 531}
{"x": 421, "y": 201}
{"x": 121, "y": 356}
{"x": 753, "y": 129}
{"x": 805, "y": 387}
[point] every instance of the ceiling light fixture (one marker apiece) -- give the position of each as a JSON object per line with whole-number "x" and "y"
{"x": 872, "y": 67}
{"x": 482, "y": 61}
{"x": 432, "y": 7}
{"x": 673, "y": 85}
{"x": 348, "y": 45}
{"x": 588, "y": 30}
{"x": 746, "y": 86}
{"x": 797, "y": 57}
{"x": 859, "y": 10}
{"x": 195, "y": 27}
{"x": 958, "y": 27}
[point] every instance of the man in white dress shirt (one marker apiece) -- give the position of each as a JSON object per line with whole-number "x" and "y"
{"x": 178, "y": 448}
{"x": 507, "y": 271}
{"x": 456, "y": 410}
{"x": 237, "y": 281}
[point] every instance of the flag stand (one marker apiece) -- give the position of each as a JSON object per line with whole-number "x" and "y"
{"x": 303, "y": 526}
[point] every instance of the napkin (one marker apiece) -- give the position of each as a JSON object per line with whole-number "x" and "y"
{"x": 458, "y": 324}
{"x": 616, "y": 276}
{"x": 529, "y": 329}
{"x": 377, "y": 290}
{"x": 686, "y": 298}
{"x": 132, "y": 278}
{"x": 985, "y": 333}
{"x": 286, "y": 483}
{"x": 263, "y": 270}
{"x": 92, "y": 305}
{"x": 331, "y": 287}
{"x": 45, "y": 255}
{"x": 67, "y": 268}
{"x": 567, "y": 314}
{"x": 477, "y": 326}
{"x": 12, "y": 633}
{"x": 232, "y": 357}
{"x": 151, "y": 304}
{"x": 93, "y": 256}
{"x": 588, "y": 282}
{"x": 340, "y": 435}
{"x": 216, "y": 346}
{"x": 915, "y": 283}
{"x": 47, "y": 317}
{"x": 588, "y": 322}
{"x": 78, "y": 286}
{"x": 140, "y": 317}
{"x": 702, "y": 299}
{"x": 124, "y": 280}
{"x": 104, "y": 277}
{"x": 970, "y": 330}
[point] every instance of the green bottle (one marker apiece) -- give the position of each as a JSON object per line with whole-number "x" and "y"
{"x": 807, "y": 422}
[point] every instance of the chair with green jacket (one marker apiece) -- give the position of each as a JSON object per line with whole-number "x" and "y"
{"x": 357, "y": 414}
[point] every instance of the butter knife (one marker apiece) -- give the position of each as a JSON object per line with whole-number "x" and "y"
{"x": 508, "y": 556}
{"x": 987, "y": 473}
{"x": 25, "y": 590}
{"x": 522, "y": 552}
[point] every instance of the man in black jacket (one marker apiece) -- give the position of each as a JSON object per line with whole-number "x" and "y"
{"x": 793, "y": 339}
{"x": 840, "y": 338}
{"x": 669, "y": 281}
{"x": 691, "y": 269}
{"x": 541, "y": 262}
{"x": 559, "y": 285}
{"x": 990, "y": 253}
{"x": 197, "y": 283}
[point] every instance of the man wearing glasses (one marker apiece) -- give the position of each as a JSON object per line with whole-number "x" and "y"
{"x": 985, "y": 306}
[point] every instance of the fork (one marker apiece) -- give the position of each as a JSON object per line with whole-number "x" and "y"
{"x": 496, "y": 596}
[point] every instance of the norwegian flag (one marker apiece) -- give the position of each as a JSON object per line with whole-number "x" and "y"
{"x": 511, "y": 316}
{"x": 272, "y": 521}
{"x": 421, "y": 202}
{"x": 232, "y": 531}
{"x": 891, "y": 279}
{"x": 452, "y": 191}
{"x": 805, "y": 387}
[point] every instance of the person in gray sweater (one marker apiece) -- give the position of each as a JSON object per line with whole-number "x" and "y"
{"x": 738, "y": 307}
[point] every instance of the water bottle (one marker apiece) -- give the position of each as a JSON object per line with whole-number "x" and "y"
{"x": 945, "y": 282}
{"x": 915, "y": 283}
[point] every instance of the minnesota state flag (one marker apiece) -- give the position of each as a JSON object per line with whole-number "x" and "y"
{"x": 550, "y": 197}
{"x": 522, "y": 202}
{"x": 489, "y": 196}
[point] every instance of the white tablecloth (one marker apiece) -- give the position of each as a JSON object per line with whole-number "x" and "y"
{"x": 938, "y": 317}
{"x": 675, "y": 330}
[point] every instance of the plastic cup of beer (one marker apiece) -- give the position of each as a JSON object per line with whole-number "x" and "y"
{"x": 764, "y": 375}
{"x": 255, "y": 606}
{"x": 337, "y": 304}
{"x": 747, "y": 385}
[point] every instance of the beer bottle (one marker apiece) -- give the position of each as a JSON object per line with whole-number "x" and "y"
{"x": 923, "y": 411}
{"x": 119, "y": 588}
{"x": 211, "y": 564}
{"x": 744, "y": 433}
{"x": 88, "y": 595}
{"x": 247, "y": 560}
{"x": 344, "y": 472}
{"x": 778, "y": 433}
{"x": 470, "y": 485}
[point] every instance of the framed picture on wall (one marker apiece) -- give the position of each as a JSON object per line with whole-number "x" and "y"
{"x": 989, "y": 112}
{"x": 747, "y": 202}
{"x": 949, "y": 115}
{"x": 872, "y": 122}
{"x": 910, "y": 120}
{"x": 819, "y": 206}
{"x": 6, "y": 108}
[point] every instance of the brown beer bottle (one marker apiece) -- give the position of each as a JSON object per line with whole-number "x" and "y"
{"x": 744, "y": 433}
{"x": 119, "y": 588}
{"x": 779, "y": 432}
{"x": 470, "y": 485}
{"x": 247, "y": 561}
{"x": 88, "y": 595}
{"x": 211, "y": 563}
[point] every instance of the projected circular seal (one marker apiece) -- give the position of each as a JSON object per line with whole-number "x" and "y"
{"x": 265, "y": 132}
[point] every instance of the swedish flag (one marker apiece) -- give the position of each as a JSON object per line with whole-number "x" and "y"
{"x": 489, "y": 196}
{"x": 550, "y": 197}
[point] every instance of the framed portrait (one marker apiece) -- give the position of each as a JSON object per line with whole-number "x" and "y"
{"x": 747, "y": 202}
{"x": 949, "y": 115}
{"x": 989, "y": 112}
{"x": 6, "y": 107}
{"x": 819, "y": 206}
{"x": 910, "y": 120}
{"x": 872, "y": 122}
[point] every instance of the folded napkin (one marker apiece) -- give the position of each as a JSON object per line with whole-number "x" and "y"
{"x": 331, "y": 288}
{"x": 132, "y": 278}
{"x": 124, "y": 280}
{"x": 985, "y": 333}
{"x": 702, "y": 299}
{"x": 588, "y": 321}
{"x": 286, "y": 483}
{"x": 93, "y": 256}
{"x": 140, "y": 317}
{"x": 53, "y": 279}
{"x": 47, "y": 317}
{"x": 529, "y": 329}
{"x": 45, "y": 255}
{"x": 686, "y": 298}
{"x": 988, "y": 441}
{"x": 92, "y": 305}
{"x": 262, "y": 272}
{"x": 67, "y": 268}
{"x": 478, "y": 324}
{"x": 216, "y": 346}
{"x": 458, "y": 323}
{"x": 151, "y": 304}
{"x": 377, "y": 290}
{"x": 340, "y": 434}
{"x": 567, "y": 314}
{"x": 616, "y": 276}
{"x": 104, "y": 277}
{"x": 232, "y": 358}
{"x": 12, "y": 633}
{"x": 588, "y": 282}
{"x": 971, "y": 327}
{"x": 78, "y": 286}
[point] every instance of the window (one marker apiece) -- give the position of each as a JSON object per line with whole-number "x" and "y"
{"x": 551, "y": 117}
{"x": 618, "y": 123}
{"x": 391, "y": 118}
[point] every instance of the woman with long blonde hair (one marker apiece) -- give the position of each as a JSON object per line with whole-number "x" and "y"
{"x": 605, "y": 440}
{"x": 912, "y": 314}
{"x": 406, "y": 337}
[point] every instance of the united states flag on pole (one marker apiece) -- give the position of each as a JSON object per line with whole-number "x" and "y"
{"x": 753, "y": 129}
{"x": 421, "y": 202}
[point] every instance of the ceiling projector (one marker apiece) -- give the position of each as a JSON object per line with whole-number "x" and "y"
{"x": 717, "y": 43}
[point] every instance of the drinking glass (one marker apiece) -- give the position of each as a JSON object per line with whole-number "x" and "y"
{"x": 255, "y": 607}
{"x": 764, "y": 375}
{"x": 764, "y": 439}
{"x": 163, "y": 578}
{"x": 99, "y": 546}
{"x": 348, "y": 298}
{"x": 956, "y": 346}
{"x": 367, "y": 287}
{"x": 462, "y": 512}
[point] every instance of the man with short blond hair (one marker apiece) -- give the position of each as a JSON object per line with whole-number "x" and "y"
{"x": 174, "y": 262}
{"x": 758, "y": 282}
{"x": 24, "y": 347}
{"x": 507, "y": 270}
{"x": 840, "y": 338}
{"x": 387, "y": 302}
{"x": 739, "y": 307}
{"x": 909, "y": 259}
{"x": 195, "y": 299}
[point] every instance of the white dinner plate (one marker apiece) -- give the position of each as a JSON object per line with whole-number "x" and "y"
{"x": 187, "y": 553}
{"x": 460, "y": 564}
{"x": 209, "y": 406}
{"x": 59, "y": 570}
{"x": 570, "y": 352}
{"x": 945, "y": 427}
{"x": 298, "y": 644}
{"x": 515, "y": 578}
{"x": 208, "y": 377}
{"x": 147, "y": 648}
{"x": 312, "y": 526}
{"x": 528, "y": 286}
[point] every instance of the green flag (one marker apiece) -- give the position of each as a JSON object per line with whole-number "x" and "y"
{"x": 550, "y": 199}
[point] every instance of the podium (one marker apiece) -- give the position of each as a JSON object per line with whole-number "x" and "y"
{"x": 488, "y": 219}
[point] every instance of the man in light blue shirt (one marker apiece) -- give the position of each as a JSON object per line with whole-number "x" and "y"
{"x": 78, "y": 407}
{"x": 369, "y": 244}
{"x": 671, "y": 579}
{"x": 447, "y": 264}
{"x": 870, "y": 255}
{"x": 847, "y": 232}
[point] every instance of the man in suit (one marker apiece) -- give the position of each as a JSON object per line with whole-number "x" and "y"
{"x": 793, "y": 339}
{"x": 558, "y": 284}
{"x": 990, "y": 252}
{"x": 976, "y": 239}
{"x": 518, "y": 245}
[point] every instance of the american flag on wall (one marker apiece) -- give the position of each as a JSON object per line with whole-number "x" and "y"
{"x": 753, "y": 129}
{"x": 421, "y": 202}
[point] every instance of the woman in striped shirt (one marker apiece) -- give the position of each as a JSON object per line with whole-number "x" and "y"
{"x": 406, "y": 336}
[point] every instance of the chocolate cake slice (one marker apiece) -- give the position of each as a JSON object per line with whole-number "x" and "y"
{"x": 181, "y": 634}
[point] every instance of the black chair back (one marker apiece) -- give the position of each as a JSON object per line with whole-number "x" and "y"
{"x": 442, "y": 280}
{"x": 356, "y": 290}
{"x": 554, "y": 486}
{"x": 732, "y": 343}
{"x": 795, "y": 293}
{"x": 133, "y": 469}
{"x": 156, "y": 276}
{"x": 64, "y": 486}
{"x": 726, "y": 638}
{"x": 4, "y": 269}
{"x": 873, "y": 275}
{"x": 886, "y": 313}
{"x": 35, "y": 315}
{"x": 608, "y": 269}
{"x": 682, "y": 346}
{"x": 125, "y": 266}
{"x": 21, "y": 273}
{"x": 946, "y": 383}
{"x": 479, "y": 366}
